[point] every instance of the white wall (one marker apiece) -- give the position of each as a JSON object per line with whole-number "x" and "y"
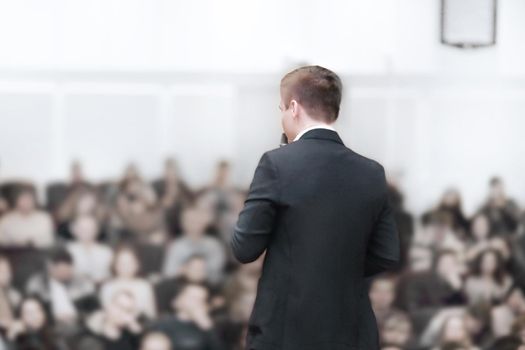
{"x": 353, "y": 36}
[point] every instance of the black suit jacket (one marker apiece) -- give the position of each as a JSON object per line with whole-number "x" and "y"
{"x": 323, "y": 214}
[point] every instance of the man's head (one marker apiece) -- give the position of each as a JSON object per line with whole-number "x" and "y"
{"x": 309, "y": 95}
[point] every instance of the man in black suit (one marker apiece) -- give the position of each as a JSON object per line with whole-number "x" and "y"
{"x": 323, "y": 215}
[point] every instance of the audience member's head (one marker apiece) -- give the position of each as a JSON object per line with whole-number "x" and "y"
{"x": 122, "y": 308}
{"x": 446, "y": 262}
{"x": 126, "y": 263}
{"x": 515, "y": 299}
{"x": 131, "y": 172}
{"x": 451, "y": 199}
{"x": 195, "y": 269}
{"x": 497, "y": 189}
{"x": 455, "y": 330}
{"x": 77, "y": 174}
{"x": 489, "y": 263}
{"x": 382, "y": 292}
{"x": 85, "y": 228}
{"x": 87, "y": 203}
{"x": 191, "y": 296}
{"x": 171, "y": 169}
{"x": 155, "y": 341}
{"x": 440, "y": 223}
{"x": 480, "y": 227}
{"x": 195, "y": 220}
{"x": 33, "y": 314}
{"x": 222, "y": 173}
{"x": 25, "y": 201}
{"x": 60, "y": 265}
{"x": 397, "y": 330}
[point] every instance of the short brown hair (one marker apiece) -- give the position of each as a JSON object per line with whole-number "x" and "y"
{"x": 318, "y": 89}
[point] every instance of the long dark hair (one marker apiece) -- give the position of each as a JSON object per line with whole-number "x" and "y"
{"x": 499, "y": 272}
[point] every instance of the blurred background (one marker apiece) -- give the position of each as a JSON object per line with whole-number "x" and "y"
{"x": 130, "y": 131}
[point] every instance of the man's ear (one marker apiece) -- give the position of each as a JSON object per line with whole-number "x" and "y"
{"x": 294, "y": 107}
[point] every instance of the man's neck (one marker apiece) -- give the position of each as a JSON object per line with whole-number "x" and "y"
{"x": 313, "y": 126}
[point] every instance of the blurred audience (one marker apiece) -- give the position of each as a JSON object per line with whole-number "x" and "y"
{"x": 145, "y": 264}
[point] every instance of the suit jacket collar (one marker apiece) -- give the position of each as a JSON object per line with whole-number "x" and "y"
{"x": 323, "y": 134}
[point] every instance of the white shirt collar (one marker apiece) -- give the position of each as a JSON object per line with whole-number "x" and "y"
{"x": 318, "y": 126}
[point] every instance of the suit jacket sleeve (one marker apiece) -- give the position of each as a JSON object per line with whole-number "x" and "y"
{"x": 383, "y": 251}
{"x": 256, "y": 221}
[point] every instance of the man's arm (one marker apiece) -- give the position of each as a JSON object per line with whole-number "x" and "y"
{"x": 383, "y": 251}
{"x": 256, "y": 221}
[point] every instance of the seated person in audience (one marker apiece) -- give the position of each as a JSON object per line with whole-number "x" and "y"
{"x": 33, "y": 330}
{"x": 480, "y": 238}
{"x": 80, "y": 198}
{"x": 174, "y": 195}
{"x": 489, "y": 281}
{"x": 92, "y": 259}
{"x": 82, "y": 202}
{"x": 191, "y": 326}
{"x": 155, "y": 341}
{"x": 502, "y": 212}
{"x": 382, "y": 294}
{"x": 435, "y": 235}
{"x": 126, "y": 267}
{"x": 451, "y": 204}
{"x": 195, "y": 241}
{"x": 26, "y": 225}
{"x": 504, "y": 315}
{"x": 423, "y": 294}
{"x": 454, "y": 331}
{"x": 139, "y": 215}
{"x": 218, "y": 194}
{"x": 397, "y": 331}
{"x": 65, "y": 293}
{"x": 193, "y": 269}
{"x": 9, "y": 297}
{"x": 119, "y": 324}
